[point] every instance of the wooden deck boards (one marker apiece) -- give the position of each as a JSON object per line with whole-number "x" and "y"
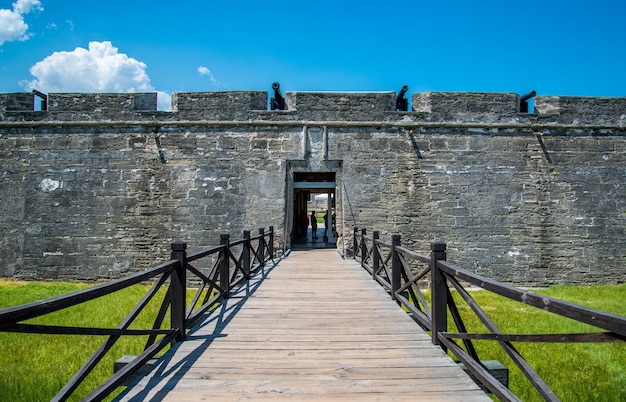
{"x": 314, "y": 327}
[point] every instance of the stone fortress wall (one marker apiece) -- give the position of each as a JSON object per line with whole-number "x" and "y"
{"x": 96, "y": 186}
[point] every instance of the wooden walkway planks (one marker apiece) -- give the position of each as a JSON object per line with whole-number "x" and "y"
{"x": 314, "y": 327}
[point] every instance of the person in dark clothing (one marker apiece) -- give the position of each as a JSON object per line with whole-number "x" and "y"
{"x": 325, "y": 223}
{"x": 314, "y": 225}
{"x": 304, "y": 225}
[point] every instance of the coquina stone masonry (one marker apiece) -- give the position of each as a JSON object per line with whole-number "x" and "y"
{"x": 97, "y": 186}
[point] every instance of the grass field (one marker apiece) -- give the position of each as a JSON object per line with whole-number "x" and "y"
{"x": 35, "y": 367}
{"x": 575, "y": 372}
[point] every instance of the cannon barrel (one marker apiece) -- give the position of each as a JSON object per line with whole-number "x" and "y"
{"x": 402, "y": 91}
{"x": 278, "y": 102}
{"x": 523, "y": 101}
{"x": 402, "y": 104}
{"x": 527, "y": 96}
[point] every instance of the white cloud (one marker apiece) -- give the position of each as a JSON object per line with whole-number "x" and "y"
{"x": 205, "y": 71}
{"x": 12, "y": 24}
{"x": 101, "y": 68}
{"x": 26, "y": 6}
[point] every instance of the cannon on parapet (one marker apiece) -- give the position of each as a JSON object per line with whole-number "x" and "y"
{"x": 277, "y": 102}
{"x": 523, "y": 101}
{"x": 402, "y": 103}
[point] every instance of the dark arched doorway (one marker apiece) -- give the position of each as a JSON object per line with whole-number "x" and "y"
{"x": 314, "y": 195}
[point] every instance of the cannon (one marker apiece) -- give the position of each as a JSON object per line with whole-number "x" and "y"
{"x": 523, "y": 101}
{"x": 277, "y": 102}
{"x": 402, "y": 103}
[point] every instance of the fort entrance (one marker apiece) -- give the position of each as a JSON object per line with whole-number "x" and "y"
{"x": 314, "y": 198}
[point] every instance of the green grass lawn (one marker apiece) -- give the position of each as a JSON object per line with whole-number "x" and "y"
{"x": 35, "y": 367}
{"x": 575, "y": 372}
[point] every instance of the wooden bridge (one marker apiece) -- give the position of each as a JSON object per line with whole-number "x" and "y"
{"x": 309, "y": 326}
{"x": 314, "y": 326}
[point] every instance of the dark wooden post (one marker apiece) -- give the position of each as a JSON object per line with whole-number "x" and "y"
{"x": 224, "y": 265}
{"x": 271, "y": 243}
{"x": 396, "y": 265}
{"x": 375, "y": 254}
{"x": 178, "y": 289}
{"x": 355, "y": 243}
{"x": 363, "y": 247}
{"x": 439, "y": 291}
{"x": 246, "y": 253}
{"x": 262, "y": 247}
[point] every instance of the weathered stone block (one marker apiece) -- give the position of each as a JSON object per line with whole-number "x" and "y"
{"x": 583, "y": 109}
{"x": 233, "y": 105}
{"x": 466, "y": 106}
{"x": 348, "y": 106}
{"x": 101, "y": 102}
{"x": 17, "y": 101}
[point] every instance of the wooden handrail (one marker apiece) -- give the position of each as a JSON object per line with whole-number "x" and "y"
{"x": 434, "y": 317}
{"x": 597, "y": 318}
{"x": 36, "y": 309}
{"x": 231, "y": 271}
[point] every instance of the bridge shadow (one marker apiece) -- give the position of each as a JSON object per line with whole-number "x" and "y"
{"x": 168, "y": 372}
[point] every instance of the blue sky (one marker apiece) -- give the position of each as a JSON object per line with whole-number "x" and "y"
{"x": 554, "y": 47}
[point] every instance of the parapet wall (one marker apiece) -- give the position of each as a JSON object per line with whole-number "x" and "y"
{"x": 218, "y": 105}
{"x": 317, "y": 106}
{"x": 467, "y": 106}
{"x": 347, "y": 106}
{"x": 18, "y": 101}
{"x": 103, "y": 102}
{"x": 580, "y": 109}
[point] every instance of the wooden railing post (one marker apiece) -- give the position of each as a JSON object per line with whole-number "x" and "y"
{"x": 439, "y": 291}
{"x": 375, "y": 254}
{"x": 262, "y": 246}
{"x": 396, "y": 265}
{"x": 270, "y": 245}
{"x": 246, "y": 253}
{"x": 363, "y": 247}
{"x": 224, "y": 265}
{"x": 355, "y": 242}
{"x": 178, "y": 289}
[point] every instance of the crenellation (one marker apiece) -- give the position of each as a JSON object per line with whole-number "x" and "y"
{"x": 232, "y": 105}
{"x": 17, "y": 101}
{"x": 487, "y": 108}
{"x": 347, "y": 106}
{"x": 101, "y": 102}
{"x": 583, "y": 109}
{"x": 471, "y": 106}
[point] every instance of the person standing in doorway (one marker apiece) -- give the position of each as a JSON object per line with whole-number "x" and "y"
{"x": 325, "y": 223}
{"x": 314, "y": 225}
{"x": 325, "y": 238}
{"x": 304, "y": 225}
